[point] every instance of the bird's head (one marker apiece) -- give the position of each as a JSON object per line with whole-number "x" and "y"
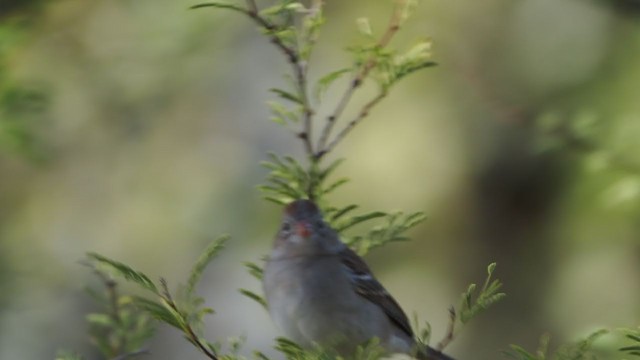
{"x": 303, "y": 232}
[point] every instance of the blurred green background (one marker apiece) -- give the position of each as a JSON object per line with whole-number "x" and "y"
{"x": 134, "y": 128}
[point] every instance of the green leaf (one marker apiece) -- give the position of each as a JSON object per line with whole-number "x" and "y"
{"x": 253, "y": 296}
{"x": 287, "y": 34}
{"x": 336, "y": 184}
{"x": 488, "y": 296}
{"x": 364, "y": 26}
{"x": 278, "y": 120}
{"x": 287, "y": 95}
{"x": 634, "y": 348}
{"x": 205, "y": 258}
{"x": 277, "y": 200}
{"x": 519, "y": 353}
{"x": 324, "y": 174}
{"x": 99, "y": 319}
{"x": 311, "y": 24}
{"x": 254, "y": 269}
{"x": 294, "y": 164}
{"x": 260, "y": 356}
{"x": 359, "y": 219}
{"x": 291, "y": 188}
{"x": 284, "y": 7}
{"x": 125, "y": 271}
{"x": 282, "y": 112}
{"x": 326, "y": 81}
{"x": 220, "y": 6}
{"x": 289, "y": 348}
{"x": 160, "y": 312}
{"x": 341, "y": 212}
{"x": 410, "y": 69}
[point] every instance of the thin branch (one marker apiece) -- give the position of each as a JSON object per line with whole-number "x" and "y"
{"x": 299, "y": 70}
{"x": 450, "y": 335}
{"x": 112, "y": 295}
{"x": 115, "y": 308}
{"x": 364, "y": 112}
{"x": 306, "y": 136}
{"x": 191, "y": 335}
{"x": 356, "y": 81}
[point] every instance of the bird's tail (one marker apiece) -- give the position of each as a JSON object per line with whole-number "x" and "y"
{"x": 432, "y": 354}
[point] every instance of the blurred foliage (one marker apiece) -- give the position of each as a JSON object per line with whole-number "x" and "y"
{"x": 633, "y": 337}
{"x": 184, "y": 311}
{"x": 121, "y": 330}
{"x": 581, "y": 350}
{"x": 21, "y": 105}
{"x": 13, "y": 7}
{"x": 562, "y": 222}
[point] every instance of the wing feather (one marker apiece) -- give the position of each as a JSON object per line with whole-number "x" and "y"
{"x": 366, "y": 285}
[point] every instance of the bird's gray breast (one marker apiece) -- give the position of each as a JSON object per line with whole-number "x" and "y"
{"x": 313, "y": 301}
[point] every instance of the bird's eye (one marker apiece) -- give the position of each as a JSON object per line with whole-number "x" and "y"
{"x": 286, "y": 227}
{"x": 320, "y": 225}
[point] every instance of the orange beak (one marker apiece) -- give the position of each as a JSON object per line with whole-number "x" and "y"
{"x": 303, "y": 229}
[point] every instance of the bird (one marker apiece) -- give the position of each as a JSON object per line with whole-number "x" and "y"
{"x": 319, "y": 292}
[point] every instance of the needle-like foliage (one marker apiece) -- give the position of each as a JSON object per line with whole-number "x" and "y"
{"x": 580, "y": 350}
{"x": 185, "y": 311}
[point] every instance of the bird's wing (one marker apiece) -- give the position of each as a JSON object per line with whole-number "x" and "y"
{"x": 366, "y": 285}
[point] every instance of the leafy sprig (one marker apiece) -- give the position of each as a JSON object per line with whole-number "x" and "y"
{"x": 488, "y": 295}
{"x": 632, "y": 335}
{"x": 256, "y": 271}
{"x": 294, "y": 30}
{"x": 288, "y": 181}
{"x": 392, "y": 228}
{"x": 185, "y": 311}
{"x": 121, "y": 329}
{"x": 471, "y": 305}
{"x": 580, "y": 350}
{"x": 370, "y": 350}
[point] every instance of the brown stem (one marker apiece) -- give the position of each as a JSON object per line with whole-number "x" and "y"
{"x": 112, "y": 295}
{"x": 115, "y": 308}
{"x": 356, "y": 82}
{"x": 450, "y": 335}
{"x": 191, "y": 335}
{"x": 299, "y": 70}
{"x": 194, "y": 338}
{"x": 361, "y": 115}
{"x": 301, "y": 76}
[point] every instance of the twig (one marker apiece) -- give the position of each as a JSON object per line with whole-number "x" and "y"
{"x": 112, "y": 295}
{"x": 252, "y": 6}
{"x": 356, "y": 82}
{"x": 450, "y": 335}
{"x": 299, "y": 69}
{"x": 361, "y": 115}
{"x": 191, "y": 335}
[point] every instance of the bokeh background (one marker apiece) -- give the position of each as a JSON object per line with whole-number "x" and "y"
{"x": 135, "y": 128}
